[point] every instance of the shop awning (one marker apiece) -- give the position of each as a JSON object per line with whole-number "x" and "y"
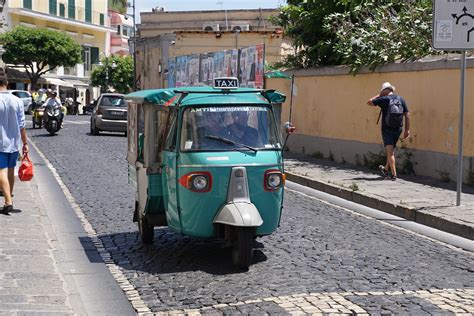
{"x": 77, "y": 83}
{"x": 58, "y": 82}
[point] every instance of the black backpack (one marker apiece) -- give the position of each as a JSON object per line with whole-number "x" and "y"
{"x": 394, "y": 116}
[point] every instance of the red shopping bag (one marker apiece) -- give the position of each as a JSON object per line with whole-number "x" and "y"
{"x": 25, "y": 173}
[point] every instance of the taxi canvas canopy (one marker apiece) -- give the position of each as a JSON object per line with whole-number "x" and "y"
{"x": 195, "y": 95}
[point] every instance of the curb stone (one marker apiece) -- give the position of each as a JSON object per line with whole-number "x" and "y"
{"x": 408, "y": 213}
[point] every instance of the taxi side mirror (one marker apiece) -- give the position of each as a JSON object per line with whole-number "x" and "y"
{"x": 289, "y": 128}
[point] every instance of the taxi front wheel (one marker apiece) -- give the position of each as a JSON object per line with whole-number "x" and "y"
{"x": 146, "y": 231}
{"x": 242, "y": 250}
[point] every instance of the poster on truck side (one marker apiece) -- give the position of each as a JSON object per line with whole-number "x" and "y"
{"x": 247, "y": 64}
{"x": 231, "y": 62}
{"x": 171, "y": 73}
{"x": 181, "y": 71}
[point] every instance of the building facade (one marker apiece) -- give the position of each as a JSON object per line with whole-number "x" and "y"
{"x": 122, "y": 26}
{"x": 164, "y": 36}
{"x": 86, "y": 21}
{"x": 163, "y": 22}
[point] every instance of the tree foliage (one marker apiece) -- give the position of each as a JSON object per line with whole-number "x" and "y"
{"x": 120, "y": 74}
{"x": 357, "y": 33}
{"x": 119, "y": 6}
{"x": 39, "y": 50}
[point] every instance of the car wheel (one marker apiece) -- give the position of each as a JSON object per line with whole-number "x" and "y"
{"x": 94, "y": 130}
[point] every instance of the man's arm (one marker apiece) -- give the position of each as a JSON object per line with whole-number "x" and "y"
{"x": 24, "y": 140}
{"x": 406, "y": 134}
{"x": 371, "y": 100}
{"x": 22, "y": 124}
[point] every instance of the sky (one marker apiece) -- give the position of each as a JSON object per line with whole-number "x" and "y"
{"x": 196, "y": 5}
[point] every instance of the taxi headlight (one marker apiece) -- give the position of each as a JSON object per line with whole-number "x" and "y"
{"x": 274, "y": 180}
{"x": 200, "y": 181}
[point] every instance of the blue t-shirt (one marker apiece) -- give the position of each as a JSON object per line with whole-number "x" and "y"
{"x": 12, "y": 119}
{"x": 384, "y": 102}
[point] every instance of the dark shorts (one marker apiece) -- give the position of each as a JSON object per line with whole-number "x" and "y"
{"x": 390, "y": 137}
{"x": 8, "y": 160}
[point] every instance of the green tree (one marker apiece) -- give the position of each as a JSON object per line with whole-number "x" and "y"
{"x": 39, "y": 50}
{"x": 356, "y": 33}
{"x": 380, "y": 32}
{"x": 119, "y": 6}
{"x": 119, "y": 71}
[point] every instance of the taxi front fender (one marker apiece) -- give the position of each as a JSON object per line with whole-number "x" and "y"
{"x": 241, "y": 214}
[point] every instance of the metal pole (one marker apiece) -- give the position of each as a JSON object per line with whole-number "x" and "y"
{"x": 291, "y": 95}
{"x": 106, "y": 74}
{"x": 134, "y": 50}
{"x": 461, "y": 130}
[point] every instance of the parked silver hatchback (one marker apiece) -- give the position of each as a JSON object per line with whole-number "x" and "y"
{"x": 25, "y": 96}
{"x": 109, "y": 114}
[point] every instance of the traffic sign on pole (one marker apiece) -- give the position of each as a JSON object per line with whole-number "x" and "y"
{"x": 453, "y": 24}
{"x": 453, "y": 29}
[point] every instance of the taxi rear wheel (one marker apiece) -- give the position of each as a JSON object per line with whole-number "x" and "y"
{"x": 242, "y": 250}
{"x": 146, "y": 231}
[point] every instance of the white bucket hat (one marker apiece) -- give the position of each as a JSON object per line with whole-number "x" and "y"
{"x": 387, "y": 85}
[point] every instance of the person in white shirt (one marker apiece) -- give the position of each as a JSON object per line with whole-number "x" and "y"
{"x": 12, "y": 131}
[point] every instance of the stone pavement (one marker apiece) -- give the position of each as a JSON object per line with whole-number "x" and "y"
{"x": 29, "y": 276}
{"x": 48, "y": 263}
{"x": 424, "y": 200}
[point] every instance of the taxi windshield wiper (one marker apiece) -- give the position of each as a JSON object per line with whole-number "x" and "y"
{"x": 230, "y": 142}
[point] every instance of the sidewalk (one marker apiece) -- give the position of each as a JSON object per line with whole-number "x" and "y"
{"x": 48, "y": 263}
{"x": 421, "y": 199}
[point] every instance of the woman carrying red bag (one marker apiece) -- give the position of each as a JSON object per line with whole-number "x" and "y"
{"x": 12, "y": 131}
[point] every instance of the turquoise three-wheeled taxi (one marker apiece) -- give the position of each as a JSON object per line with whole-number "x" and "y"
{"x": 207, "y": 162}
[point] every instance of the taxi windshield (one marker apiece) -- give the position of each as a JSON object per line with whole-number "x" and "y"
{"x": 229, "y": 128}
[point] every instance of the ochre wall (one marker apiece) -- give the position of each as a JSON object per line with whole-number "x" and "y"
{"x": 334, "y": 106}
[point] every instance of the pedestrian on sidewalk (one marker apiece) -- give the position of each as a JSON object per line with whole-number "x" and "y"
{"x": 12, "y": 130}
{"x": 393, "y": 110}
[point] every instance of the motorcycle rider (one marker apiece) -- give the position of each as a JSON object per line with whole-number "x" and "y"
{"x": 54, "y": 101}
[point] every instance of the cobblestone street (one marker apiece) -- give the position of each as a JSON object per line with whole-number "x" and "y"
{"x": 323, "y": 259}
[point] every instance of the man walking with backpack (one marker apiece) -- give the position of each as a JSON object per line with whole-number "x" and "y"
{"x": 393, "y": 110}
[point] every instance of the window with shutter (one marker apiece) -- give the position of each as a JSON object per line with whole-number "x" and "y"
{"x": 27, "y": 4}
{"x": 71, "y": 9}
{"x": 89, "y": 11}
{"x": 53, "y": 7}
{"x": 62, "y": 10}
{"x": 94, "y": 55}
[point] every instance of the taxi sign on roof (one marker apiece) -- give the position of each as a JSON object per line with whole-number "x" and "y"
{"x": 226, "y": 83}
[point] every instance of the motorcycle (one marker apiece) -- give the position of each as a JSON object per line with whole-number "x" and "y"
{"x": 53, "y": 118}
{"x": 38, "y": 113}
{"x": 72, "y": 106}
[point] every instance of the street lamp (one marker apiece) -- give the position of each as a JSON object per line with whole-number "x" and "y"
{"x": 113, "y": 66}
{"x": 132, "y": 5}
